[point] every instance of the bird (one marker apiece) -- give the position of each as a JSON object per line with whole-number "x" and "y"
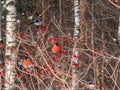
{"x": 27, "y": 63}
{"x": 56, "y": 48}
{"x": 37, "y": 21}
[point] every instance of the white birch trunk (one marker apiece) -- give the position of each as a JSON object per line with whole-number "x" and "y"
{"x": 75, "y": 79}
{"x": 0, "y": 36}
{"x": 10, "y": 55}
{"x": 0, "y": 20}
{"x": 60, "y": 10}
{"x": 119, "y": 29}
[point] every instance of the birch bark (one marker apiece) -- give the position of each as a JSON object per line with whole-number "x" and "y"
{"x": 0, "y": 37}
{"x": 75, "y": 83}
{"x": 10, "y": 54}
{"x": 119, "y": 29}
{"x": 0, "y": 19}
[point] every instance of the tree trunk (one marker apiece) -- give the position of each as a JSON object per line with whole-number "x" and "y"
{"x": 0, "y": 39}
{"x": 119, "y": 30}
{"x": 0, "y": 20}
{"x": 75, "y": 79}
{"x": 60, "y": 10}
{"x": 10, "y": 54}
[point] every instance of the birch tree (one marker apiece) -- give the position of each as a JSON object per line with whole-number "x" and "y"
{"x": 119, "y": 29}
{"x": 10, "y": 54}
{"x": 75, "y": 50}
{"x": 0, "y": 32}
{"x": 0, "y": 19}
